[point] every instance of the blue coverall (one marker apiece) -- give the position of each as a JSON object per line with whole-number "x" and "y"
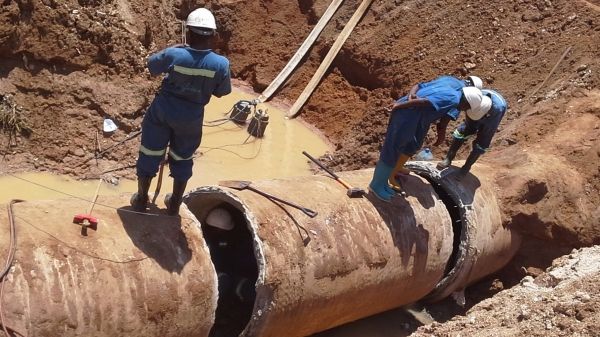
{"x": 486, "y": 127}
{"x": 176, "y": 114}
{"x": 409, "y": 126}
{"x": 421, "y": 133}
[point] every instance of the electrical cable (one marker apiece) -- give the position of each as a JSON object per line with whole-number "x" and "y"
{"x": 222, "y": 147}
{"x": 86, "y": 200}
{"x": 82, "y": 252}
{"x": 9, "y": 261}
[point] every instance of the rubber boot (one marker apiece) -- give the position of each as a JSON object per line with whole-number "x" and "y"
{"x": 456, "y": 144}
{"x": 473, "y": 156}
{"x": 173, "y": 200}
{"x": 139, "y": 200}
{"x": 379, "y": 183}
{"x": 399, "y": 169}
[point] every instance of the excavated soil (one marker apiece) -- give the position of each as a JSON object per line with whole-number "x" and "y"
{"x": 68, "y": 64}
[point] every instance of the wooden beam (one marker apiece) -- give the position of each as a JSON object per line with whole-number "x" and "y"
{"x": 335, "y": 48}
{"x": 293, "y": 62}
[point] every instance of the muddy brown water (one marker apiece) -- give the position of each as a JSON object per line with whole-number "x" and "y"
{"x": 223, "y": 155}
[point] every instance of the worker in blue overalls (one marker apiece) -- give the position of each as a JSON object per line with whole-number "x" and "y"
{"x": 442, "y": 124}
{"x": 193, "y": 74}
{"x": 407, "y": 120}
{"x": 484, "y": 123}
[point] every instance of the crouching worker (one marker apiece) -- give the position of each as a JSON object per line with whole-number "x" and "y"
{"x": 174, "y": 119}
{"x": 408, "y": 120}
{"x": 442, "y": 124}
{"x": 484, "y": 124}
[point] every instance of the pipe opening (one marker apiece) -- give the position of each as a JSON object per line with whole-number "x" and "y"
{"x": 457, "y": 224}
{"x": 230, "y": 242}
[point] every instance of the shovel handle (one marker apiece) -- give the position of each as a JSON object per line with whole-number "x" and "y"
{"x": 335, "y": 176}
{"x": 321, "y": 165}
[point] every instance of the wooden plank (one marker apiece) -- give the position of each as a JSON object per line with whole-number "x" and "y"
{"x": 293, "y": 62}
{"x": 335, "y": 48}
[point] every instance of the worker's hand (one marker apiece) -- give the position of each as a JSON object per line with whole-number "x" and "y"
{"x": 391, "y": 108}
{"x": 412, "y": 96}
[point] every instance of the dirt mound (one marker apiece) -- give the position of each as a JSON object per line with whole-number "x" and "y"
{"x": 564, "y": 301}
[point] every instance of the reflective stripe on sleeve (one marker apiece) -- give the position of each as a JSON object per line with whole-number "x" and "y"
{"x": 178, "y": 157}
{"x": 153, "y": 153}
{"x": 194, "y": 71}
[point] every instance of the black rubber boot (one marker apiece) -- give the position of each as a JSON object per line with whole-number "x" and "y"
{"x": 173, "y": 200}
{"x": 456, "y": 144}
{"x": 473, "y": 156}
{"x": 139, "y": 200}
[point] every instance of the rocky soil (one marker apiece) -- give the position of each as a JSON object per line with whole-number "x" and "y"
{"x": 563, "y": 301}
{"x": 68, "y": 64}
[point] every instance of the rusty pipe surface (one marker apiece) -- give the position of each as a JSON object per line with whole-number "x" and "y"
{"x": 135, "y": 275}
{"x": 153, "y": 276}
{"x": 485, "y": 245}
{"x": 358, "y": 257}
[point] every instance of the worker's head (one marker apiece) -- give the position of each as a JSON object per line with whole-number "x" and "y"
{"x": 474, "y": 81}
{"x": 220, "y": 218}
{"x": 475, "y": 103}
{"x": 201, "y": 26}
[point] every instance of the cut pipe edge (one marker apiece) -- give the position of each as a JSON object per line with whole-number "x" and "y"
{"x": 484, "y": 248}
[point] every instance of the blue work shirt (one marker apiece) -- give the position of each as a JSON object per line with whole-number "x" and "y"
{"x": 443, "y": 81}
{"x": 499, "y": 105}
{"x": 443, "y": 98}
{"x": 450, "y": 81}
{"x": 192, "y": 75}
{"x": 408, "y": 127}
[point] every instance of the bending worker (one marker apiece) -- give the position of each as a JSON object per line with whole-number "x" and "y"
{"x": 484, "y": 123}
{"x": 193, "y": 73}
{"x": 409, "y": 118}
{"x": 453, "y": 82}
{"x": 442, "y": 125}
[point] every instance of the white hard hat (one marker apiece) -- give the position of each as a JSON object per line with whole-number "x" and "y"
{"x": 220, "y": 218}
{"x": 477, "y": 82}
{"x": 203, "y": 20}
{"x": 484, "y": 107}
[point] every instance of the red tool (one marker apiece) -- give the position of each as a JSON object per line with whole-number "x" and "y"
{"x": 86, "y": 220}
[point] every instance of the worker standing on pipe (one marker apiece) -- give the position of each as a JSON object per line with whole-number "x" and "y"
{"x": 480, "y": 122}
{"x": 441, "y": 126}
{"x": 193, "y": 73}
{"x": 408, "y": 117}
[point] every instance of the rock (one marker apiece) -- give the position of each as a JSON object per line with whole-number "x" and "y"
{"x": 470, "y": 65}
{"x": 78, "y": 152}
{"x": 582, "y": 67}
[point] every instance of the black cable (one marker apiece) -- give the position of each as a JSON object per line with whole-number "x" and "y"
{"x": 9, "y": 262}
{"x": 83, "y": 199}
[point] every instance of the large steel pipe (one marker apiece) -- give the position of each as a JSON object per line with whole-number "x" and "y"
{"x": 135, "y": 275}
{"x": 358, "y": 257}
{"x": 483, "y": 245}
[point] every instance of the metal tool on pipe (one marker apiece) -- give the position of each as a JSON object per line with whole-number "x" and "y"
{"x": 353, "y": 192}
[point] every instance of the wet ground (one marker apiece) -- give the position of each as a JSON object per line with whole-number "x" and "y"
{"x": 227, "y": 152}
